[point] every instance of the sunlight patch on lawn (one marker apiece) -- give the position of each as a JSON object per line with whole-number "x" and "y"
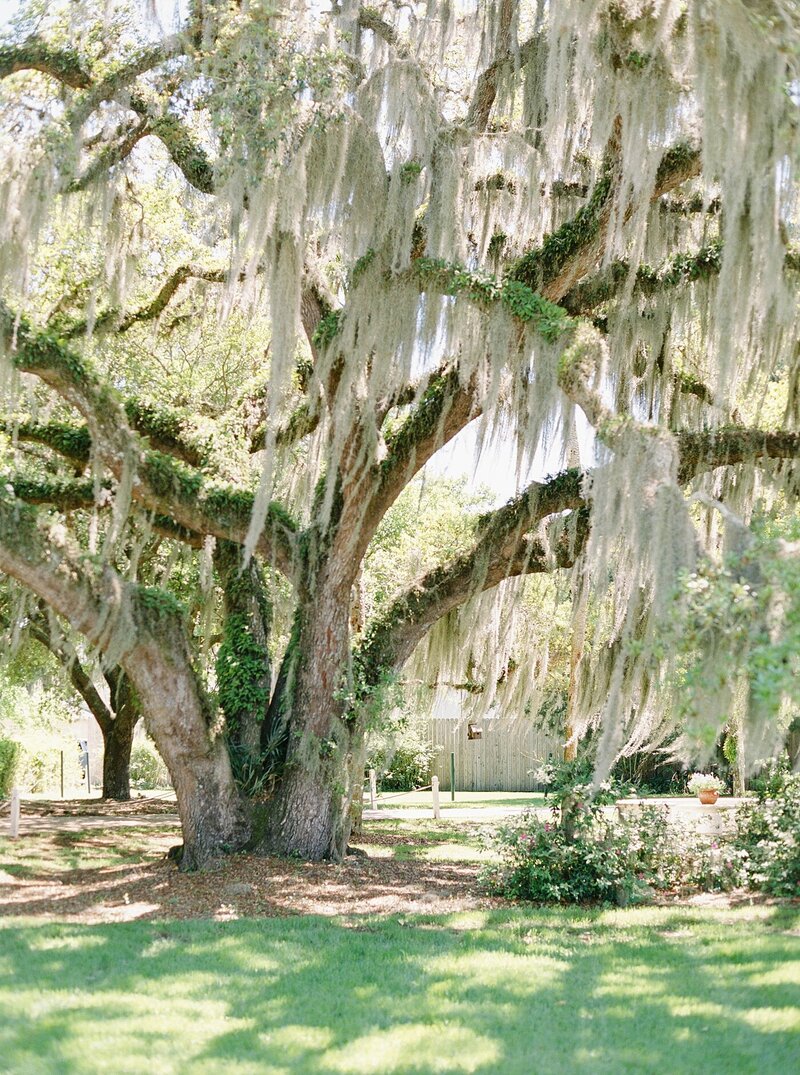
{"x": 786, "y": 974}
{"x": 515, "y": 973}
{"x": 443, "y": 853}
{"x": 74, "y": 941}
{"x": 398, "y": 1049}
{"x": 773, "y": 1020}
{"x": 466, "y": 920}
{"x": 133, "y": 1026}
{"x": 697, "y": 1009}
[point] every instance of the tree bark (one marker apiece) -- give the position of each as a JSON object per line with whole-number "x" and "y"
{"x": 117, "y": 745}
{"x": 793, "y": 744}
{"x": 118, "y": 737}
{"x": 213, "y": 819}
{"x": 309, "y": 813}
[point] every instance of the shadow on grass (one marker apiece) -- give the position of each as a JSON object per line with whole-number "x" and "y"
{"x": 496, "y": 993}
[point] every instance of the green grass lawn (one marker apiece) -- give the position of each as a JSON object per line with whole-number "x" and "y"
{"x": 52, "y": 853}
{"x": 426, "y": 839}
{"x": 522, "y": 991}
{"x": 472, "y": 799}
{"x": 513, "y": 991}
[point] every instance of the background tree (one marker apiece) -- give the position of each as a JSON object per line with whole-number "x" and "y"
{"x": 490, "y": 216}
{"x": 38, "y": 708}
{"x": 116, "y": 717}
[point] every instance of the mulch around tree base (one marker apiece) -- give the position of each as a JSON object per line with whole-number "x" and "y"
{"x": 37, "y": 878}
{"x": 243, "y": 886}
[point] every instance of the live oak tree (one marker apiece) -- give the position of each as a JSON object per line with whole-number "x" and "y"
{"x": 495, "y": 214}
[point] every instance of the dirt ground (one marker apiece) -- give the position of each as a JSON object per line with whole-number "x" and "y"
{"x": 93, "y": 863}
{"x": 34, "y": 883}
{"x": 142, "y": 805}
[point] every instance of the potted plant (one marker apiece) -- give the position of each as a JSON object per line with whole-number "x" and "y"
{"x": 706, "y": 787}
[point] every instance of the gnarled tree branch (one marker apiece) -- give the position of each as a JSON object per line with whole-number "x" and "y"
{"x": 65, "y": 65}
{"x": 162, "y": 484}
{"x": 504, "y": 548}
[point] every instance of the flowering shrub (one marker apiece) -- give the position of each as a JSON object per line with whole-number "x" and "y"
{"x": 679, "y": 858}
{"x": 604, "y": 858}
{"x": 584, "y": 854}
{"x": 768, "y": 840}
{"x": 576, "y": 779}
{"x": 770, "y": 778}
{"x": 600, "y": 859}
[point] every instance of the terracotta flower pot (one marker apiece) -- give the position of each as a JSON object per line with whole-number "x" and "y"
{"x": 708, "y": 796}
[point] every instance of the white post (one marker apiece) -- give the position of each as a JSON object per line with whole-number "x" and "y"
{"x": 14, "y": 833}
{"x": 373, "y": 790}
{"x": 435, "y": 789}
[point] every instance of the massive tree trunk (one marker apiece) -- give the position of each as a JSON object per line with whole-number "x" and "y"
{"x": 309, "y": 813}
{"x": 243, "y": 661}
{"x": 213, "y": 820}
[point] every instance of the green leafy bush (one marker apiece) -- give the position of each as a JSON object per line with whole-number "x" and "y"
{"x": 601, "y": 860}
{"x": 575, "y": 779}
{"x": 769, "y": 780}
{"x": 768, "y": 838}
{"x": 10, "y": 753}
{"x": 147, "y": 768}
{"x": 651, "y": 773}
{"x": 407, "y": 766}
{"x": 40, "y": 764}
{"x": 399, "y": 746}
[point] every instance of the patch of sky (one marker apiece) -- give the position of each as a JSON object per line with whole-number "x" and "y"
{"x": 169, "y": 14}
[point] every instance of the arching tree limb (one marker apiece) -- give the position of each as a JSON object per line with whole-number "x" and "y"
{"x": 65, "y": 65}
{"x": 572, "y": 251}
{"x": 503, "y": 548}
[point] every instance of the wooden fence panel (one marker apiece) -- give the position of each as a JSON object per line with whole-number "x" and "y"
{"x": 501, "y": 760}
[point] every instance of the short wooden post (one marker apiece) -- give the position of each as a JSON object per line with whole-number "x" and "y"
{"x": 452, "y": 777}
{"x": 373, "y": 790}
{"x": 14, "y": 831}
{"x": 62, "y": 774}
{"x": 437, "y": 813}
{"x": 88, "y": 774}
